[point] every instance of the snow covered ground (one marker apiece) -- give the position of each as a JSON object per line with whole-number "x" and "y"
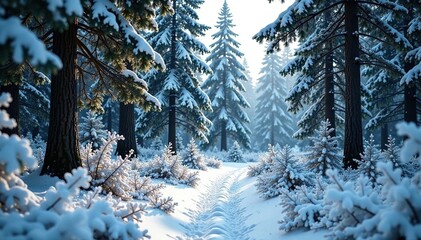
{"x": 224, "y": 205}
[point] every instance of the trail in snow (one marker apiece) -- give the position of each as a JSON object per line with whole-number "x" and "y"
{"x": 218, "y": 213}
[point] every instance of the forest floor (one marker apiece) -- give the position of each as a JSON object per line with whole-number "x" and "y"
{"x": 224, "y": 205}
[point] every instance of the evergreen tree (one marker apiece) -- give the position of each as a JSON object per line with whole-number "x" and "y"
{"x": 250, "y": 96}
{"x": 274, "y": 123}
{"x": 369, "y": 159}
{"x": 178, "y": 88}
{"x": 324, "y": 152}
{"x": 224, "y": 86}
{"x": 350, "y": 18}
{"x": 91, "y": 130}
{"x": 192, "y": 158}
{"x": 235, "y": 154}
{"x": 102, "y": 24}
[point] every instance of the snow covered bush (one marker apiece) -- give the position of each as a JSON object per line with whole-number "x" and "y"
{"x": 369, "y": 159}
{"x": 324, "y": 153}
{"x": 392, "y": 154}
{"x": 283, "y": 173}
{"x": 302, "y": 207}
{"x": 265, "y": 162}
{"x": 91, "y": 130}
{"x": 23, "y": 215}
{"x": 168, "y": 167}
{"x": 192, "y": 158}
{"x": 157, "y": 144}
{"x": 119, "y": 176}
{"x": 38, "y": 146}
{"x": 235, "y": 154}
{"x": 213, "y": 162}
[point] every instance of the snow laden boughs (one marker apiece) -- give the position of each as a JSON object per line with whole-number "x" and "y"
{"x": 265, "y": 162}
{"x": 369, "y": 158}
{"x": 168, "y": 167}
{"x": 178, "y": 42}
{"x": 303, "y": 207}
{"x": 235, "y": 153}
{"x": 324, "y": 153}
{"x": 284, "y": 173}
{"x": 274, "y": 124}
{"x": 224, "y": 86}
{"x": 91, "y": 130}
{"x": 348, "y": 204}
{"x": 192, "y": 158}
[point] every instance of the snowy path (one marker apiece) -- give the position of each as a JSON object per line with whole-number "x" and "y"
{"x": 217, "y": 213}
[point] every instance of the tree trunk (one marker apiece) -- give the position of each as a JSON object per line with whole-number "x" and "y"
{"x": 62, "y": 153}
{"x": 353, "y": 144}
{"x": 384, "y": 134}
{"x": 224, "y": 142}
{"x": 410, "y": 98}
{"x": 172, "y": 138}
{"x": 126, "y": 128}
{"x": 13, "y": 109}
{"x": 329, "y": 92}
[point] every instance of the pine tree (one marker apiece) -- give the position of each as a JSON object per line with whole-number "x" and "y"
{"x": 350, "y": 18}
{"x": 274, "y": 123}
{"x": 235, "y": 154}
{"x": 97, "y": 26}
{"x": 192, "y": 158}
{"x": 178, "y": 88}
{"x": 324, "y": 152}
{"x": 224, "y": 86}
{"x": 369, "y": 159}
{"x": 91, "y": 130}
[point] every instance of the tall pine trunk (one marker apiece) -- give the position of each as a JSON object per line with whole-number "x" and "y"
{"x": 172, "y": 136}
{"x": 224, "y": 142}
{"x": 384, "y": 134}
{"x": 126, "y": 128}
{"x": 353, "y": 144}
{"x": 410, "y": 98}
{"x": 329, "y": 84}
{"x": 13, "y": 109}
{"x": 62, "y": 153}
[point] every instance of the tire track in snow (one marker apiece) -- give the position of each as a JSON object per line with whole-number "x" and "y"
{"x": 218, "y": 213}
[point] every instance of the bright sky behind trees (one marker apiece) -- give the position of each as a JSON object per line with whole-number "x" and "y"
{"x": 249, "y": 17}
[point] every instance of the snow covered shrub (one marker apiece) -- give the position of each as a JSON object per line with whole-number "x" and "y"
{"x": 302, "y": 207}
{"x": 369, "y": 159}
{"x": 324, "y": 153}
{"x": 284, "y": 173}
{"x": 192, "y": 158}
{"x": 23, "y": 215}
{"x": 265, "y": 162}
{"x": 348, "y": 204}
{"x": 111, "y": 174}
{"x": 212, "y": 162}
{"x": 157, "y": 144}
{"x": 91, "y": 130}
{"x": 235, "y": 154}
{"x": 392, "y": 154}
{"x": 146, "y": 154}
{"x": 38, "y": 146}
{"x": 168, "y": 167}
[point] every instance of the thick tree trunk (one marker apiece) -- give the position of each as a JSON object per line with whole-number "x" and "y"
{"x": 224, "y": 140}
{"x": 329, "y": 94}
{"x": 329, "y": 83}
{"x": 126, "y": 128}
{"x": 172, "y": 136}
{"x": 384, "y": 134}
{"x": 13, "y": 109}
{"x": 353, "y": 144}
{"x": 62, "y": 153}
